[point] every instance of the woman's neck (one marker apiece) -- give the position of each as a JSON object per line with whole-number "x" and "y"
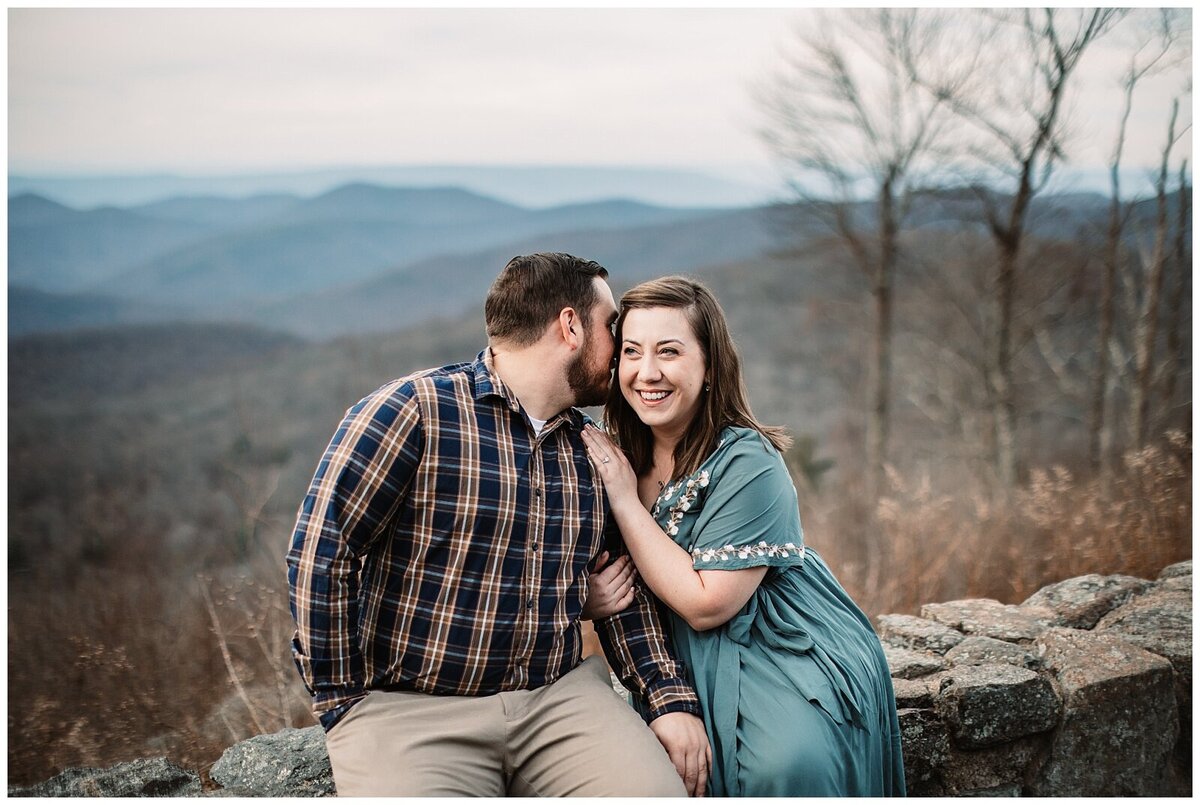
{"x": 662, "y": 455}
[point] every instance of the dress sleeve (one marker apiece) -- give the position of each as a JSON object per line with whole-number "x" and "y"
{"x": 750, "y": 516}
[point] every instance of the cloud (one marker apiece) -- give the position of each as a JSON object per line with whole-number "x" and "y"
{"x": 239, "y": 87}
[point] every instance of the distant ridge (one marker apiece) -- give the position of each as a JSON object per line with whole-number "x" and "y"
{"x": 361, "y": 257}
{"x": 219, "y": 210}
{"x": 31, "y": 209}
{"x": 528, "y": 186}
{"x": 215, "y": 257}
{"x": 360, "y": 201}
{"x": 33, "y": 311}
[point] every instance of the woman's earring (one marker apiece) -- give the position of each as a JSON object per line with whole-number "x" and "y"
{"x": 707, "y": 387}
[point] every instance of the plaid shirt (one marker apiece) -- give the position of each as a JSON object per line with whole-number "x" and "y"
{"x": 442, "y": 548}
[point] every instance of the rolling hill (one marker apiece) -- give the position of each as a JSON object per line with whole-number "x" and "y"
{"x": 343, "y": 237}
{"x": 56, "y": 248}
{"x": 450, "y": 284}
{"x": 33, "y": 311}
{"x": 361, "y": 257}
{"x": 529, "y": 186}
{"x": 256, "y": 259}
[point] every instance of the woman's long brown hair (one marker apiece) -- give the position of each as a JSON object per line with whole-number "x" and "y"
{"x": 723, "y": 405}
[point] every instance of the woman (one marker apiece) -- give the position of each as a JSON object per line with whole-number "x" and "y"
{"x": 793, "y": 684}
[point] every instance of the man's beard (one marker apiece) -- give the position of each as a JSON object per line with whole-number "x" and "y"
{"x": 590, "y": 388}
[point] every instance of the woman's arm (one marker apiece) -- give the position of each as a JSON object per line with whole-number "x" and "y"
{"x": 705, "y": 598}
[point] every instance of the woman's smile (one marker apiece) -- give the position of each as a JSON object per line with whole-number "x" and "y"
{"x": 653, "y": 398}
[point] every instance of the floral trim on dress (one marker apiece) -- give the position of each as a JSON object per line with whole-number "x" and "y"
{"x": 691, "y": 491}
{"x": 761, "y": 550}
{"x": 685, "y": 501}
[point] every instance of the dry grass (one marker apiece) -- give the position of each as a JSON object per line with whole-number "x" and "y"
{"x": 131, "y": 659}
{"x": 939, "y": 545}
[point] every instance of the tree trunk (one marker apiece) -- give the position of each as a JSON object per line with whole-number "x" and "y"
{"x": 1146, "y": 334}
{"x": 1180, "y": 265}
{"x": 880, "y": 366}
{"x": 1100, "y": 433}
{"x": 1100, "y": 426}
{"x": 1004, "y": 402}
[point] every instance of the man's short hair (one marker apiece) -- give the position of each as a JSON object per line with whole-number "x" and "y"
{"x": 532, "y": 290}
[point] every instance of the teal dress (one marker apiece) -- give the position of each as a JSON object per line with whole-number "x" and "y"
{"x": 795, "y": 691}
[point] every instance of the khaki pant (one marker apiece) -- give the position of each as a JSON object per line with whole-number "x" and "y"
{"x": 575, "y": 737}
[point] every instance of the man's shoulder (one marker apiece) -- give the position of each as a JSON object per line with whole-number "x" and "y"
{"x": 441, "y": 377}
{"x": 426, "y": 383}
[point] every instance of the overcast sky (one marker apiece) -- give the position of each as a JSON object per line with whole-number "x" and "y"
{"x": 231, "y": 90}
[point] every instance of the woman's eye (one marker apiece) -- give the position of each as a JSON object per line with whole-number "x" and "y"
{"x": 629, "y": 352}
{"x": 669, "y": 351}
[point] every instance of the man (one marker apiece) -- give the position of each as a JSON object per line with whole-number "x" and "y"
{"x": 439, "y": 564}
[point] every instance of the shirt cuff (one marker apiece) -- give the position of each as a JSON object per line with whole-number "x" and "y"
{"x": 671, "y": 696}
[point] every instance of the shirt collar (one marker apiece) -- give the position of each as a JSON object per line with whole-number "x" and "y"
{"x": 488, "y": 384}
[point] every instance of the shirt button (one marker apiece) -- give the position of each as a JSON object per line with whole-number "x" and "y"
{"x": 535, "y": 546}
{"x": 529, "y": 604}
{"x": 537, "y": 490}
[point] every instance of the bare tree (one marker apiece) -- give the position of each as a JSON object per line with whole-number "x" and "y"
{"x": 852, "y": 122}
{"x": 1148, "y": 57}
{"x": 1146, "y": 330}
{"x": 1017, "y": 104}
{"x": 1181, "y": 264}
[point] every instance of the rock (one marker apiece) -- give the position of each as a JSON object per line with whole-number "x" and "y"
{"x": 985, "y": 705}
{"x": 907, "y": 664}
{"x": 1011, "y": 790}
{"x": 918, "y": 634}
{"x": 1181, "y": 584}
{"x": 1119, "y": 720}
{"x": 1176, "y": 570}
{"x": 1161, "y": 622}
{"x": 989, "y": 651}
{"x": 993, "y": 772}
{"x": 925, "y": 746}
{"x": 989, "y": 618}
{"x": 1079, "y": 602}
{"x": 155, "y": 777}
{"x": 289, "y": 763}
{"x": 914, "y": 693}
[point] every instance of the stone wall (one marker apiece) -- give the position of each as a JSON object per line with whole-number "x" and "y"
{"x": 1082, "y": 690}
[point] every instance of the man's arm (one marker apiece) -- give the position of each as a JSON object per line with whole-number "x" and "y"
{"x": 363, "y": 476}
{"x": 636, "y": 646}
{"x": 635, "y": 643}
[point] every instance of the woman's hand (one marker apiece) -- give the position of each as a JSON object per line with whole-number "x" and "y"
{"x": 612, "y": 467}
{"x": 609, "y": 590}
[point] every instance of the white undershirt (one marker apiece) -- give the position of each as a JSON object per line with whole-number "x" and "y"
{"x": 538, "y": 424}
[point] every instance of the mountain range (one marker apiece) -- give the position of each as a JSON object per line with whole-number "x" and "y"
{"x": 526, "y": 185}
{"x": 342, "y": 261}
{"x": 362, "y": 258}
